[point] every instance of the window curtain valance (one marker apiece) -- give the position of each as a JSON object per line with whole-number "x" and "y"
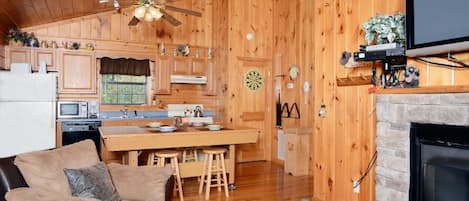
{"x": 124, "y": 66}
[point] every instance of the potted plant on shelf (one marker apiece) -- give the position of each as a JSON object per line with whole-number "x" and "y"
{"x": 16, "y": 38}
{"x": 384, "y": 29}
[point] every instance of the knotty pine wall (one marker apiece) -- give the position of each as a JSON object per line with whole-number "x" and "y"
{"x": 110, "y": 35}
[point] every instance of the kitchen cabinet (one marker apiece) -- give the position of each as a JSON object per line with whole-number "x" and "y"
{"x": 189, "y": 66}
{"x": 16, "y": 55}
{"x": 162, "y": 76}
{"x": 297, "y": 148}
{"x": 32, "y": 56}
{"x": 46, "y": 55}
{"x": 77, "y": 72}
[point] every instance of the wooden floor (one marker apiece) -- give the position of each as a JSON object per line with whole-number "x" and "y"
{"x": 257, "y": 181}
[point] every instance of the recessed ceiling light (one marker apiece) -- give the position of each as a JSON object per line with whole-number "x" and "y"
{"x": 103, "y": 1}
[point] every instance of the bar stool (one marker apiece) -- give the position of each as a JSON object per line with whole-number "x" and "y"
{"x": 161, "y": 157}
{"x": 210, "y": 168}
{"x": 189, "y": 155}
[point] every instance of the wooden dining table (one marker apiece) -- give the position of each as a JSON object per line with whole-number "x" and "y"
{"x": 132, "y": 139}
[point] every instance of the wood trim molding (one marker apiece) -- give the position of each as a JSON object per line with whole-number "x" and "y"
{"x": 426, "y": 90}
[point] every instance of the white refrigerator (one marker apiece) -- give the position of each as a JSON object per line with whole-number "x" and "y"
{"x": 27, "y": 112}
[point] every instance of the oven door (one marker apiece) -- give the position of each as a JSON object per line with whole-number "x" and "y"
{"x": 73, "y": 132}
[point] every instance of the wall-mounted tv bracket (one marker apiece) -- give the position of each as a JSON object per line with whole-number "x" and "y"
{"x": 393, "y": 60}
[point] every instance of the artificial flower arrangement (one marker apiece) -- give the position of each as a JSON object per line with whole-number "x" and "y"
{"x": 385, "y": 29}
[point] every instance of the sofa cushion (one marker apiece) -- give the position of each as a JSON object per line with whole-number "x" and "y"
{"x": 44, "y": 169}
{"x": 92, "y": 182}
{"x": 146, "y": 183}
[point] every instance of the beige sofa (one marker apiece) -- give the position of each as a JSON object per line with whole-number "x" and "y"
{"x": 43, "y": 172}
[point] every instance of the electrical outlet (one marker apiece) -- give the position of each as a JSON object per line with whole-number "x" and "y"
{"x": 356, "y": 187}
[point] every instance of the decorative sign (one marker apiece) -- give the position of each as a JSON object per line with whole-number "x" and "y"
{"x": 253, "y": 80}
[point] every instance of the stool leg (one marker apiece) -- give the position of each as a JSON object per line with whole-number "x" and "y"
{"x": 184, "y": 156}
{"x": 174, "y": 164}
{"x": 204, "y": 172}
{"x": 225, "y": 181}
{"x": 218, "y": 169}
{"x": 195, "y": 154}
{"x": 151, "y": 159}
{"x": 161, "y": 162}
{"x": 209, "y": 176}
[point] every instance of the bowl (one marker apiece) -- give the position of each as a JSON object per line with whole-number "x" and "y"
{"x": 167, "y": 128}
{"x": 197, "y": 124}
{"x": 154, "y": 124}
{"x": 214, "y": 127}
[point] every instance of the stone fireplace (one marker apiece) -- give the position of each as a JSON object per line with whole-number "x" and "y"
{"x": 395, "y": 113}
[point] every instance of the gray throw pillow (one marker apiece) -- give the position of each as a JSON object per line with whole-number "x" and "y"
{"x": 92, "y": 182}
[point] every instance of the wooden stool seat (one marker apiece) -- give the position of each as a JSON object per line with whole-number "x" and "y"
{"x": 216, "y": 168}
{"x": 166, "y": 154}
{"x": 161, "y": 157}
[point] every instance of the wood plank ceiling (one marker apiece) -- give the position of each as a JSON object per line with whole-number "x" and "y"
{"x": 25, "y": 13}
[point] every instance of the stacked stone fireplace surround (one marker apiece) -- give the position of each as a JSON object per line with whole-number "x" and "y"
{"x": 395, "y": 112}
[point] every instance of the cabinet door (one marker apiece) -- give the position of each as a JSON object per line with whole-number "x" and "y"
{"x": 77, "y": 73}
{"x": 181, "y": 66}
{"x": 199, "y": 67}
{"x": 47, "y": 56}
{"x": 210, "y": 87}
{"x": 17, "y": 55}
{"x": 162, "y": 76}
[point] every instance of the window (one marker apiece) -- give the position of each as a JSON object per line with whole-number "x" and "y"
{"x": 124, "y": 89}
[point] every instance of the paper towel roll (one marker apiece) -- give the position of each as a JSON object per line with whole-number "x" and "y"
{"x": 42, "y": 67}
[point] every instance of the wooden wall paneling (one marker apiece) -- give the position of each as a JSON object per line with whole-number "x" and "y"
{"x": 220, "y": 47}
{"x": 320, "y": 179}
{"x": 2, "y": 57}
{"x": 461, "y": 77}
{"x": 342, "y": 167}
{"x": 306, "y": 61}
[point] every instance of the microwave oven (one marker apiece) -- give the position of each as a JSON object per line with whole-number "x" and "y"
{"x": 72, "y": 109}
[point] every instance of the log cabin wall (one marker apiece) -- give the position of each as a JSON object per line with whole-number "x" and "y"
{"x": 248, "y": 107}
{"x": 110, "y": 35}
{"x": 344, "y": 141}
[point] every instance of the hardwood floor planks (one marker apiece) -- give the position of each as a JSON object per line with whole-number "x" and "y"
{"x": 257, "y": 181}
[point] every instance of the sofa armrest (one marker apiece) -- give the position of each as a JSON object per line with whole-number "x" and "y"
{"x": 28, "y": 194}
{"x": 10, "y": 176}
{"x": 169, "y": 188}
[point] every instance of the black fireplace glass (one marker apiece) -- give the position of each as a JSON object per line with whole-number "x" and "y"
{"x": 439, "y": 162}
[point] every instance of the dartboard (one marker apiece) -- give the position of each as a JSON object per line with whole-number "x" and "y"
{"x": 253, "y": 80}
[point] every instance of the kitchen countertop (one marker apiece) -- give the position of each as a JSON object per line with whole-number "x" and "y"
{"x": 117, "y": 116}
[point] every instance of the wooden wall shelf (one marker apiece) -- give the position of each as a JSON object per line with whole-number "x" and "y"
{"x": 426, "y": 90}
{"x": 354, "y": 80}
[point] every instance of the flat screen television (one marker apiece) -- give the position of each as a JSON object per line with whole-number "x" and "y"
{"x": 436, "y": 26}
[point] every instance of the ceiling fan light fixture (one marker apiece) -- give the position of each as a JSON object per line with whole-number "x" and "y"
{"x": 140, "y": 12}
{"x": 148, "y": 17}
{"x": 155, "y": 13}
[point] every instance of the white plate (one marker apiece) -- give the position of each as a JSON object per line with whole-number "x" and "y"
{"x": 167, "y": 128}
{"x": 214, "y": 128}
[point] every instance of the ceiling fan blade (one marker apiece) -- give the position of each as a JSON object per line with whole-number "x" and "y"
{"x": 182, "y": 10}
{"x": 134, "y": 21}
{"x": 170, "y": 18}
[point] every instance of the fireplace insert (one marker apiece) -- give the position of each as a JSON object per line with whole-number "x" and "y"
{"x": 439, "y": 162}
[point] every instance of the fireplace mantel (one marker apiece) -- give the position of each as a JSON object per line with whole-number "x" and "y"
{"x": 426, "y": 90}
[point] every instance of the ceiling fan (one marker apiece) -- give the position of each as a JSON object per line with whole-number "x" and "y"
{"x": 149, "y": 10}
